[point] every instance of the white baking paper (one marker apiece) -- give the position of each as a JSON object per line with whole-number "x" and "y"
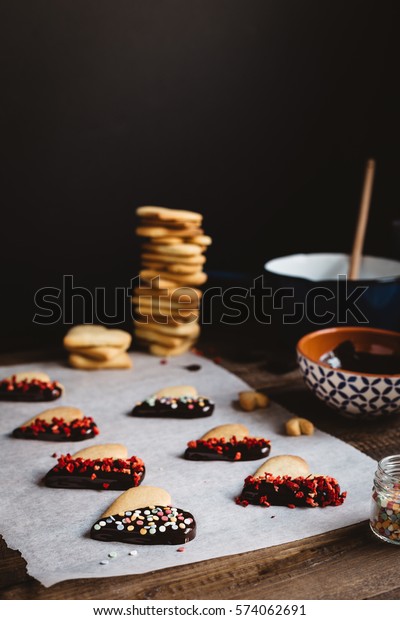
{"x": 50, "y": 527}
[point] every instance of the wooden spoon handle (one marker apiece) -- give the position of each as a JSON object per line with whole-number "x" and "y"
{"x": 355, "y": 261}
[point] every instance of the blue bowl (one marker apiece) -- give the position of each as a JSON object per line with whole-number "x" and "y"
{"x": 311, "y": 292}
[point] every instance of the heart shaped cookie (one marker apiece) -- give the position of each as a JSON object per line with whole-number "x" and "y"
{"x": 58, "y": 424}
{"x": 104, "y": 466}
{"x": 145, "y": 516}
{"x": 30, "y": 386}
{"x": 229, "y": 442}
{"x": 285, "y": 480}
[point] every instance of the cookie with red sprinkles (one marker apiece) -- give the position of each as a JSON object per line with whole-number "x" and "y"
{"x": 58, "y": 424}
{"x": 30, "y": 387}
{"x": 145, "y": 516}
{"x": 98, "y": 467}
{"x": 271, "y": 486}
{"x": 229, "y": 442}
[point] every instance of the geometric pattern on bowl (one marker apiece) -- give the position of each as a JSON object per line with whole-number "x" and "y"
{"x": 354, "y": 396}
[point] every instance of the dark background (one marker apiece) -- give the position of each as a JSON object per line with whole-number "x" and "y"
{"x": 258, "y": 113}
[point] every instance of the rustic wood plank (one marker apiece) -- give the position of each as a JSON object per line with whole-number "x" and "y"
{"x": 338, "y": 565}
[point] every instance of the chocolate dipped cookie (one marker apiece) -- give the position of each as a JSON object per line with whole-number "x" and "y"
{"x": 98, "y": 467}
{"x": 145, "y": 516}
{"x": 58, "y": 424}
{"x": 229, "y": 442}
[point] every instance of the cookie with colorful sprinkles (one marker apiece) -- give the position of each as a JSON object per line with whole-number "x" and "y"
{"x": 180, "y": 401}
{"x": 286, "y": 480}
{"x": 145, "y": 516}
{"x": 104, "y": 466}
{"x": 58, "y": 424}
{"x": 229, "y": 442}
{"x": 30, "y": 386}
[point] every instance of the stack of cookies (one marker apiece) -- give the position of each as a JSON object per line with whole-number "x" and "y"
{"x": 94, "y": 347}
{"x": 167, "y": 299}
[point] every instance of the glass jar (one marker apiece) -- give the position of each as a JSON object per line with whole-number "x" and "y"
{"x": 385, "y": 508}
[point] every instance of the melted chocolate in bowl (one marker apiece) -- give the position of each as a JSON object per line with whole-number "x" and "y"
{"x": 346, "y": 356}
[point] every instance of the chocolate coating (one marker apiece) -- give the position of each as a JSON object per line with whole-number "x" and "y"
{"x": 29, "y": 391}
{"x": 184, "y": 407}
{"x": 113, "y": 475}
{"x": 249, "y": 449}
{"x": 303, "y": 492}
{"x": 58, "y": 430}
{"x": 152, "y": 525}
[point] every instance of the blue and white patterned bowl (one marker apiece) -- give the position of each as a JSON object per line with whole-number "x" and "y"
{"x": 352, "y": 394}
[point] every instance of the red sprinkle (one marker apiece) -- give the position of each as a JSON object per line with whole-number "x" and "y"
{"x": 225, "y": 446}
{"x": 181, "y": 549}
{"x": 58, "y": 426}
{"x": 318, "y": 491}
{"x": 133, "y": 467}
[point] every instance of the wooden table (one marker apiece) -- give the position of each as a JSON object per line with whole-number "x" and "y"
{"x": 349, "y": 563}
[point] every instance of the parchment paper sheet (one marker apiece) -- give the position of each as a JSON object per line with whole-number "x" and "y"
{"x": 50, "y": 526}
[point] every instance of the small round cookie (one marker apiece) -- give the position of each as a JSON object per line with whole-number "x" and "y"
{"x": 151, "y": 335}
{"x": 176, "y": 293}
{"x": 153, "y": 231}
{"x": 155, "y": 281}
{"x": 190, "y": 329}
{"x": 155, "y": 304}
{"x": 177, "y": 250}
{"x": 182, "y": 269}
{"x": 160, "y": 351}
{"x": 203, "y": 240}
{"x": 145, "y": 264}
{"x": 196, "y": 279}
{"x": 167, "y": 240}
{"x": 284, "y": 465}
{"x": 101, "y": 354}
{"x": 161, "y": 257}
{"x": 122, "y": 360}
{"x": 163, "y": 213}
{"x": 178, "y": 317}
{"x": 82, "y": 336}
